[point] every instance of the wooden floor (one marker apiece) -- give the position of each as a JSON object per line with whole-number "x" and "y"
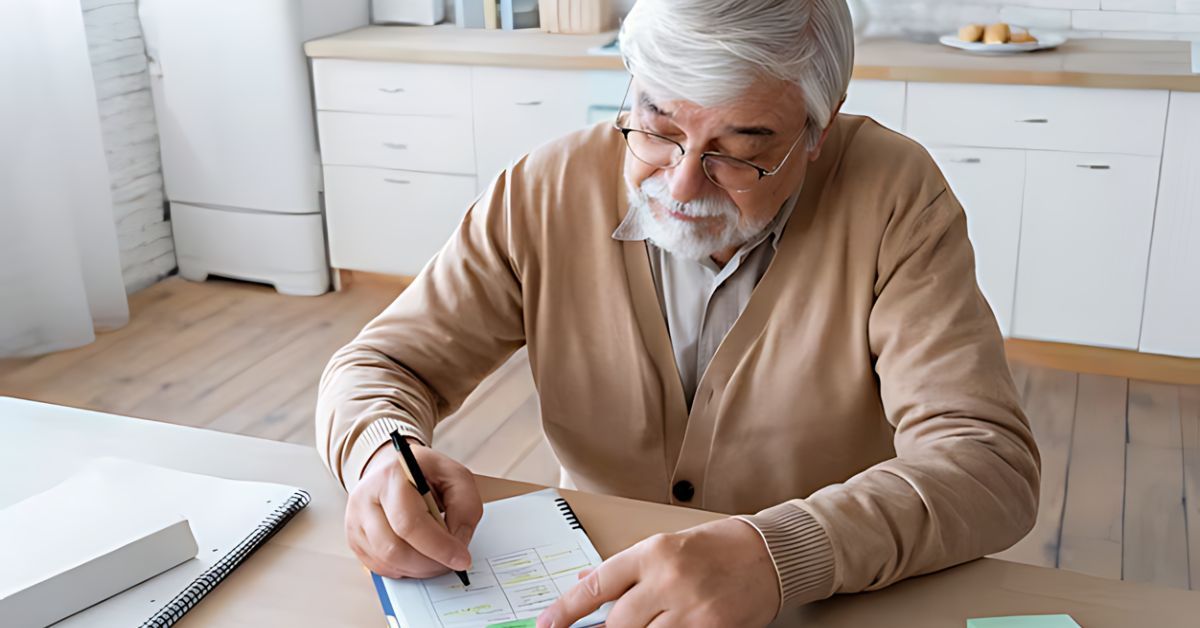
{"x": 1121, "y": 459}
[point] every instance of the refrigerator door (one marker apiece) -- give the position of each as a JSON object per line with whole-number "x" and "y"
{"x": 230, "y": 85}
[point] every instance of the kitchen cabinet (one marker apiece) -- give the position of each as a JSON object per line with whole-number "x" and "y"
{"x": 1085, "y": 238}
{"x": 1171, "y": 321}
{"x": 1059, "y": 184}
{"x": 517, "y": 110}
{"x": 990, "y": 183}
{"x": 391, "y": 221}
{"x": 881, "y": 100}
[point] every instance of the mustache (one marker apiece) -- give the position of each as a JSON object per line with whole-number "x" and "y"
{"x": 656, "y": 189}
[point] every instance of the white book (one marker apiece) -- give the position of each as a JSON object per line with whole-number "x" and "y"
{"x": 122, "y": 543}
{"x": 526, "y": 552}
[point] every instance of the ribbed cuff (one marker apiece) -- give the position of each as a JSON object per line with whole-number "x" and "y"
{"x": 801, "y": 551}
{"x": 368, "y": 442}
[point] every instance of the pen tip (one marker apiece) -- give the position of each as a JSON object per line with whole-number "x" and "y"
{"x": 462, "y": 575}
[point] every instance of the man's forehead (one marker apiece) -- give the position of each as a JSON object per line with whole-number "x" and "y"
{"x": 757, "y": 109}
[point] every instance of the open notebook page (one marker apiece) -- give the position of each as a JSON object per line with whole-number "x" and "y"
{"x": 526, "y": 552}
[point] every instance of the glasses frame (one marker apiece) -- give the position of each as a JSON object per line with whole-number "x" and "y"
{"x": 762, "y": 172}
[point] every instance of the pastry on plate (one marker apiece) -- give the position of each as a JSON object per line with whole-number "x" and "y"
{"x": 971, "y": 33}
{"x": 997, "y": 33}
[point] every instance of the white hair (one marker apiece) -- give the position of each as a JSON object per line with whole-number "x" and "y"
{"x": 710, "y": 51}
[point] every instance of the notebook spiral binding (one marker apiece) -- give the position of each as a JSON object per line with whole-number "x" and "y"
{"x": 569, "y": 514}
{"x": 207, "y": 581}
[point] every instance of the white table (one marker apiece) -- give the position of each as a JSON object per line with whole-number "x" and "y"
{"x": 306, "y": 575}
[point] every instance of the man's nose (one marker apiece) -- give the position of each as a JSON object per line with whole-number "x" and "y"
{"x": 687, "y": 180}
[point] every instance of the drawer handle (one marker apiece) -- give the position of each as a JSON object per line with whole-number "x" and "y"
{"x": 1034, "y": 121}
{"x": 395, "y": 146}
{"x": 399, "y": 181}
{"x": 391, "y": 90}
{"x": 1094, "y": 166}
{"x": 967, "y": 160}
{"x": 529, "y": 103}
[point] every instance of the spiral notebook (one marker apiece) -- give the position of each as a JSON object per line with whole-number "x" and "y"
{"x": 229, "y": 519}
{"x": 526, "y": 552}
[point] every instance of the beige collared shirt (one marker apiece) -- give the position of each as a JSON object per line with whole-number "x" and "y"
{"x": 700, "y": 299}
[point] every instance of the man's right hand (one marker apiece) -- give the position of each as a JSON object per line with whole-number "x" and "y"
{"x": 389, "y": 527}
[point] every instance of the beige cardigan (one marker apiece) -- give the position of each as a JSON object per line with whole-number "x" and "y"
{"x": 862, "y": 401}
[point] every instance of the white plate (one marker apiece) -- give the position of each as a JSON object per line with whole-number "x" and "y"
{"x": 1044, "y": 42}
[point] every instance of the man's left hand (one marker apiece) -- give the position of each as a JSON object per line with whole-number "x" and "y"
{"x": 716, "y": 574}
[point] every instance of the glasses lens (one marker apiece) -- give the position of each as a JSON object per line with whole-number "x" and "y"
{"x": 731, "y": 174}
{"x": 653, "y": 150}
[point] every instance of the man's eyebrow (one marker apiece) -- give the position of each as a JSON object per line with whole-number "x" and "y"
{"x": 655, "y": 109}
{"x": 760, "y": 131}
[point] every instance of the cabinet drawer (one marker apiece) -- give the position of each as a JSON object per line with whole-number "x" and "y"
{"x": 391, "y": 221}
{"x": 517, "y": 110}
{"x": 442, "y": 145}
{"x": 1048, "y": 118}
{"x": 1085, "y": 239}
{"x": 881, "y": 100}
{"x": 989, "y": 183}
{"x": 395, "y": 88}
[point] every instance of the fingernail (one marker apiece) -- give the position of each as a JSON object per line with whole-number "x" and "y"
{"x": 461, "y": 562}
{"x": 544, "y": 622}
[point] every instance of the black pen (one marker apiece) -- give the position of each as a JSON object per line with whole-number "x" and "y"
{"x": 413, "y": 472}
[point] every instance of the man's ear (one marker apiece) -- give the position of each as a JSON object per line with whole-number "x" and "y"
{"x": 815, "y": 153}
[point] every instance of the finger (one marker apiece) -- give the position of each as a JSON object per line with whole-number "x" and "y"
{"x": 410, "y": 519}
{"x": 583, "y": 573}
{"x": 388, "y": 555}
{"x": 460, "y": 497}
{"x": 636, "y": 608}
{"x": 606, "y": 582}
{"x": 665, "y": 619}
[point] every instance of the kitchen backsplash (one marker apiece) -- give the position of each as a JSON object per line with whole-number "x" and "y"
{"x": 130, "y": 135}
{"x": 1131, "y": 19}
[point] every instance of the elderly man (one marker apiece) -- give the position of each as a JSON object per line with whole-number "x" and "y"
{"x": 736, "y": 300}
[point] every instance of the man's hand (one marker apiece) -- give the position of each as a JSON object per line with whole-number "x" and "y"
{"x": 716, "y": 574}
{"x": 388, "y": 525}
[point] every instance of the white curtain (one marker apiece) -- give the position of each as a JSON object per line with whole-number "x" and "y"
{"x": 60, "y": 274}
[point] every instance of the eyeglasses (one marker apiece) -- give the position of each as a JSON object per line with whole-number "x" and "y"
{"x": 725, "y": 171}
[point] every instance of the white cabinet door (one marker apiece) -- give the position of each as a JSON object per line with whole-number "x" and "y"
{"x": 881, "y": 100}
{"x": 989, "y": 184}
{"x": 391, "y": 221}
{"x": 517, "y": 110}
{"x": 1171, "y": 324}
{"x": 1085, "y": 239}
{"x": 1079, "y": 119}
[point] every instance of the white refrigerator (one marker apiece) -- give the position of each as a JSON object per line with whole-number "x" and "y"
{"x": 239, "y": 150}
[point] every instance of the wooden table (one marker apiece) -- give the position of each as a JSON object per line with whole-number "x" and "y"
{"x": 306, "y": 576}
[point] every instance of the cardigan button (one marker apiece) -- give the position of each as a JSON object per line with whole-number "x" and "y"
{"x": 683, "y": 491}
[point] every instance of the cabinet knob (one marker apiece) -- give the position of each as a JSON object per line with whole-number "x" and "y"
{"x": 395, "y": 146}
{"x": 397, "y": 181}
{"x": 1034, "y": 121}
{"x": 967, "y": 160}
{"x": 1094, "y": 166}
{"x": 391, "y": 90}
{"x": 529, "y": 103}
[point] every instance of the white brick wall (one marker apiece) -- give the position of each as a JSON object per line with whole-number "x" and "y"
{"x": 130, "y": 140}
{"x": 1139, "y": 19}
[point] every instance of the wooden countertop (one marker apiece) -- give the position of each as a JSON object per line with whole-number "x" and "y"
{"x": 1117, "y": 63}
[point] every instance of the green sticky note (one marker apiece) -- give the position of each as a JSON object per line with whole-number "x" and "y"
{"x": 516, "y": 623}
{"x": 1024, "y": 621}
